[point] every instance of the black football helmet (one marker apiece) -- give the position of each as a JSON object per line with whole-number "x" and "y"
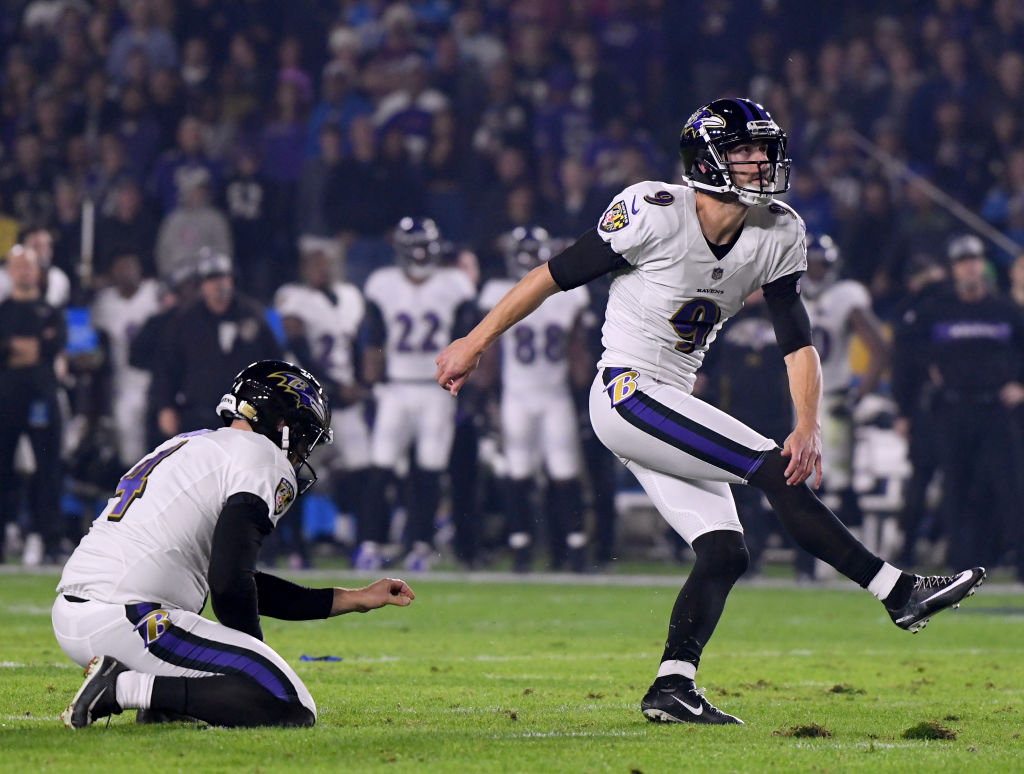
{"x": 725, "y": 123}
{"x": 823, "y": 263}
{"x": 418, "y": 246}
{"x": 286, "y": 404}
{"x": 525, "y": 248}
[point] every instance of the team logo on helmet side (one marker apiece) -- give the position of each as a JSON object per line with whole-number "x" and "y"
{"x": 303, "y": 391}
{"x": 703, "y": 117}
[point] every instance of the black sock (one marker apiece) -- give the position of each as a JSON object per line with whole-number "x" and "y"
{"x": 900, "y": 594}
{"x": 226, "y": 700}
{"x": 721, "y": 559}
{"x": 426, "y": 494}
{"x": 520, "y": 512}
{"x": 813, "y": 526}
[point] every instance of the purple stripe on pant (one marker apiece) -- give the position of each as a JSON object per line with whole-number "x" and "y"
{"x": 232, "y": 663}
{"x": 647, "y": 414}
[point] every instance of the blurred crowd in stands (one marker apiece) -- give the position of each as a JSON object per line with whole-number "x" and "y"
{"x": 170, "y": 164}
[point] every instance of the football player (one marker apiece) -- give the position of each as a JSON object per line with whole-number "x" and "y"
{"x": 538, "y": 421}
{"x": 185, "y": 524}
{"x": 412, "y": 310}
{"x": 838, "y": 309}
{"x": 120, "y": 311}
{"x": 684, "y": 257}
{"x": 322, "y": 316}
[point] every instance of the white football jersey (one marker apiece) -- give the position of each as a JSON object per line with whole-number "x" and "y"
{"x": 121, "y": 318}
{"x": 534, "y": 351}
{"x": 332, "y": 323}
{"x": 668, "y": 305}
{"x": 152, "y": 542}
{"x": 418, "y": 317}
{"x": 832, "y": 332}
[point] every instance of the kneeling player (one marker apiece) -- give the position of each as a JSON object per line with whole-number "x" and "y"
{"x": 186, "y": 522}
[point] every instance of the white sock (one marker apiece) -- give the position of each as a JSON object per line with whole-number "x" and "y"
{"x": 684, "y": 668}
{"x": 134, "y": 690}
{"x": 884, "y": 581}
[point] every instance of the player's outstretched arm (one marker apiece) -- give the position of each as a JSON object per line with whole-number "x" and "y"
{"x": 803, "y": 446}
{"x": 386, "y": 591}
{"x": 457, "y": 361}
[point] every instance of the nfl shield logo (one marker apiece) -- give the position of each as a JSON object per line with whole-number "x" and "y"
{"x": 716, "y": 274}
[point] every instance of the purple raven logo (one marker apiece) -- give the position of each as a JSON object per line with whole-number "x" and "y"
{"x": 303, "y": 391}
{"x": 705, "y": 118}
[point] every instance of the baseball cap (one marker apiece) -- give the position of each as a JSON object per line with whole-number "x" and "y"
{"x": 965, "y": 246}
{"x": 212, "y": 264}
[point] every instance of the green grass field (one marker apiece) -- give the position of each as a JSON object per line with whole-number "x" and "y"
{"x": 481, "y": 676}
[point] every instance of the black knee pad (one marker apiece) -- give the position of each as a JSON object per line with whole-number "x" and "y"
{"x": 722, "y": 554}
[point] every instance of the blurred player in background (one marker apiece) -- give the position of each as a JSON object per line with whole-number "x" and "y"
{"x": 684, "y": 257}
{"x": 414, "y": 308}
{"x": 184, "y": 525}
{"x": 538, "y": 420}
{"x": 322, "y": 316}
{"x": 120, "y": 311}
{"x": 838, "y": 309}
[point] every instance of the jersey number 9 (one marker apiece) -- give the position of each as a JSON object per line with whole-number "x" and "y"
{"x": 694, "y": 322}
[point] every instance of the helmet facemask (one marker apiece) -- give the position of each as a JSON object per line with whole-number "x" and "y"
{"x": 525, "y": 250}
{"x": 298, "y": 446}
{"x": 418, "y": 247}
{"x": 823, "y": 265}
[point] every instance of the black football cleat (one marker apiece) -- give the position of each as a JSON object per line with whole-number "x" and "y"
{"x": 934, "y": 593}
{"x": 97, "y": 698}
{"x": 675, "y": 699}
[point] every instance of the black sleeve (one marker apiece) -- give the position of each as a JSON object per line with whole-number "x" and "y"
{"x": 279, "y": 598}
{"x": 586, "y": 259}
{"x": 372, "y": 333}
{"x": 243, "y": 523}
{"x": 909, "y": 366}
{"x": 466, "y": 317}
{"x": 170, "y": 360}
{"x": 144, "y": 344}
{"x": 299, "y": 347}
{"x": 789, "y": 316}
{"x": 55, "y": 336}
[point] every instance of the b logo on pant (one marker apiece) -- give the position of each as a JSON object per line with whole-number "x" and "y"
{"x": 622, "y": 386}
{"x": 154, "y": 625}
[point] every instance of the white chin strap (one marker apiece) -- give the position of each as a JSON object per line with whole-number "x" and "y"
{"x": 752, "y": 199}
{"x": 748, "y": 198}
{"x": 285, "y": 442}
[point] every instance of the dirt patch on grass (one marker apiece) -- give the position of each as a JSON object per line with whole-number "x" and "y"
{"x": 845, "y": 688}
{"x": 808, "y": 731}
{"x": 929, "y": 729}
